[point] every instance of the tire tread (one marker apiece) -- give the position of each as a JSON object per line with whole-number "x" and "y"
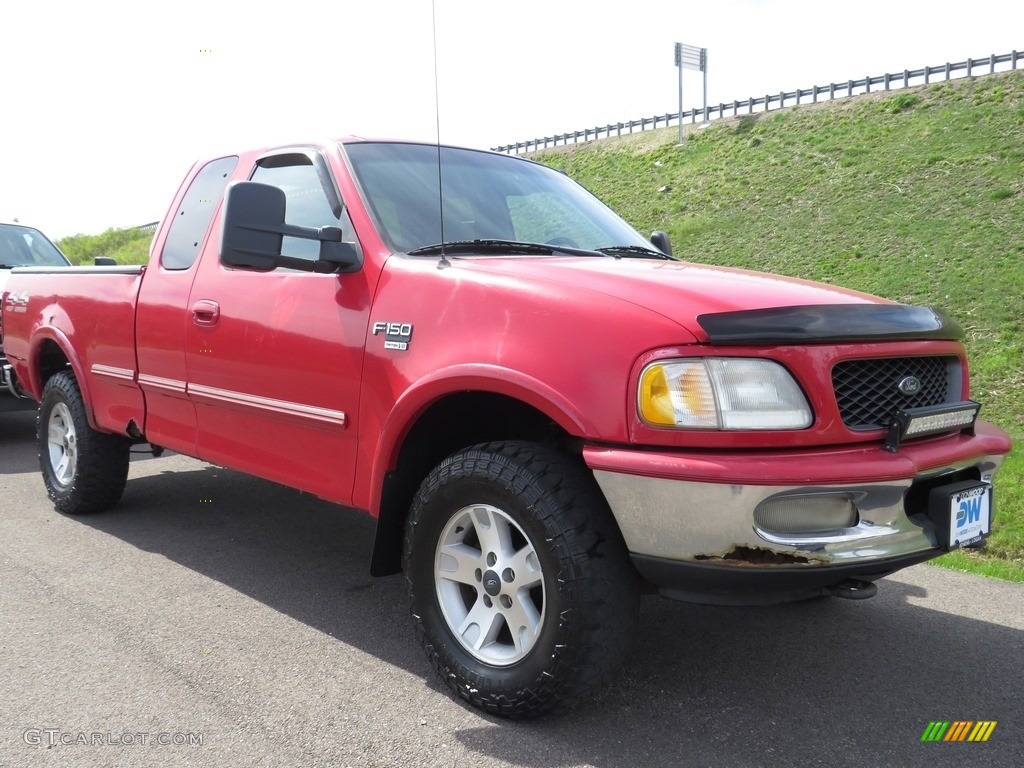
{"x": 101, "y": 471}
{"x": 597, "y": 581}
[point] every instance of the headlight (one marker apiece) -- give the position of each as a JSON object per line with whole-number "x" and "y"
{"x": 722, "y": 393}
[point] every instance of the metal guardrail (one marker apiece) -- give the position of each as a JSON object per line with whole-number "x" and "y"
{"x": 770, "y": 101}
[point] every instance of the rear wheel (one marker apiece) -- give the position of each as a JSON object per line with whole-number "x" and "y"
{"x": 83, "y": 470}
{"x": 522, "y": 591}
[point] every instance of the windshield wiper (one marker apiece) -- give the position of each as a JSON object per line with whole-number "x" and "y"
{"x": 498, "y": 246}
{"x": 638, "y": 251}
{"x": 473, "y": 246}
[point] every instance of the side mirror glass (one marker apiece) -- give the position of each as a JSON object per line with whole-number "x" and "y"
{"x": 253, "y": 218}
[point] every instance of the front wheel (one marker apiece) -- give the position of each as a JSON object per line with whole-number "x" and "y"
{"x": 522, "y": 591}
{"x": 83, "y": 470}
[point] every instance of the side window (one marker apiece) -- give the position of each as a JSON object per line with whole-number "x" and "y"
{"x": 194, "y": 214}
{"x": 306, "y": 203}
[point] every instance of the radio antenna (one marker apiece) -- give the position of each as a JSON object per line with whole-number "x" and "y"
{"x": 443, "y": 263}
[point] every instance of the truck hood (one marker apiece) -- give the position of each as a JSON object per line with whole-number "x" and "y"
{"x": 679, "y": 291}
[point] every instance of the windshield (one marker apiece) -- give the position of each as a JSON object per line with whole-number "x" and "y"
{"x": 24, "y": 246}
{"x": 486, "y": 197}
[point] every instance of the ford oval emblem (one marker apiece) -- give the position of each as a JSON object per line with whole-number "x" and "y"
{"x": 911, "y": 385}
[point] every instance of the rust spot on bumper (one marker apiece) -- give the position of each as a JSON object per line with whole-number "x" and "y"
{"x": 758, "y": 556}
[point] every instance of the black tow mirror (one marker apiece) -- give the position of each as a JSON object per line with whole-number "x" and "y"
{"x": 104, "y": 261}
{"x": 660, "y": 241}
{"x": 254, "y": 227}
{"x": 253, "y": 217}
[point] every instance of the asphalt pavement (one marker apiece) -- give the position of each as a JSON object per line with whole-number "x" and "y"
{"x": 218, "y": 620}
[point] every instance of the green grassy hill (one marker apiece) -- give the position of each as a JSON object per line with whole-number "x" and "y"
{"x": 917, "y": 196}
{"x": 127, "y": 246}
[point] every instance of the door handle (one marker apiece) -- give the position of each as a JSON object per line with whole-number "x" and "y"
{"x": 205, "y": 312}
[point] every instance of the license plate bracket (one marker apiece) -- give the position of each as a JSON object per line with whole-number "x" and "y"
{"x": 961, "y": 513}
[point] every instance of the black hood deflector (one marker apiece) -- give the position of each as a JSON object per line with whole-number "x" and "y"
{"x": 828, "y": 323}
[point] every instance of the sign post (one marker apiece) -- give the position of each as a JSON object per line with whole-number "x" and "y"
{"x": 691, "y": 57}
{"x": 679, "y": 66}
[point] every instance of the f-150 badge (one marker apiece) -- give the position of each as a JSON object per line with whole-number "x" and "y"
{"x": 396, "y": 335}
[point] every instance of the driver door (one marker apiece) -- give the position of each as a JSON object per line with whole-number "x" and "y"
{"x": 274, "y": 358}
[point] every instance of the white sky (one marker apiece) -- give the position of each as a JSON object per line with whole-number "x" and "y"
{"x": 105, "y": 105}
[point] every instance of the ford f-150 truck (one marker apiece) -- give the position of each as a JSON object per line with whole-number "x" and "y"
{"x": 545, "y": 412}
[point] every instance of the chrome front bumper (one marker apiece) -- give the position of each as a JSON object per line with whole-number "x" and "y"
{"x": 713, "y": 523}
{"x": 698, "y": 535}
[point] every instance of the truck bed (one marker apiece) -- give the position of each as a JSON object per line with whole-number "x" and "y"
{"x": 58, "y": 309}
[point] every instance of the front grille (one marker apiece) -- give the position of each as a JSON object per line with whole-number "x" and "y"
{"x": 868, "y": 394}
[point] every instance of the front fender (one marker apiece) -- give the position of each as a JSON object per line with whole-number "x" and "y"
{"x": 462, "y": 378}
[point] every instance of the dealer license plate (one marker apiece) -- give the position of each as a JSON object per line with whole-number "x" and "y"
{"x": 970, "y": 513}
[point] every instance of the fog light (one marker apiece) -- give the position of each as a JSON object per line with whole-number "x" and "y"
{"x": 805, "y": 514}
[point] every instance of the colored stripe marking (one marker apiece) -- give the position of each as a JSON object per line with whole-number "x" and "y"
{"x": 959, "y": 730}
{"x": 989, "y": 726}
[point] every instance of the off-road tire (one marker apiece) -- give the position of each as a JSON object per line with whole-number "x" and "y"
{"x": 590, "y": 588}
{"x": 96, "y": 478}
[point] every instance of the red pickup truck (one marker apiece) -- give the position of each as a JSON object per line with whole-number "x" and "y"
{"x": 546, "y": 412}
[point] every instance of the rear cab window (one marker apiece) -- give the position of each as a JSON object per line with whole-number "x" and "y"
{"x": 195, "y": 212}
